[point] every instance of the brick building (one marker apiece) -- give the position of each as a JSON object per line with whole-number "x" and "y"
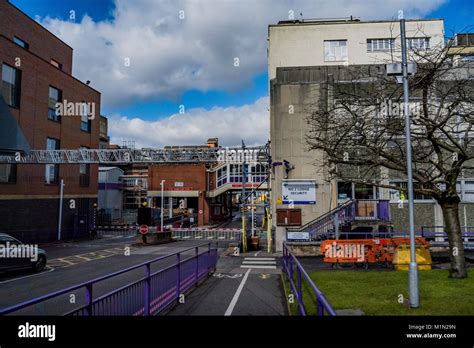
{"x": 36, "y": 69}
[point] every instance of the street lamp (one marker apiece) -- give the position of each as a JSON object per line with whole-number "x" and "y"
{"x": 402, "y": 72}
{"x": 161, "y": 212}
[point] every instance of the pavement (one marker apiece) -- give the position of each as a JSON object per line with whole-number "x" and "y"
{"x": 248, "y": 284}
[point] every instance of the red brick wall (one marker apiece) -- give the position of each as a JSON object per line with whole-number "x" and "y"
{"x": 14, "y": 22}
{"x": 192, "y": 175}
{"x": 32, "y": 116}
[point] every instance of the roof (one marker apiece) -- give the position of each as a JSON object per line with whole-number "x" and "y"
{"x": 329, "y": 21}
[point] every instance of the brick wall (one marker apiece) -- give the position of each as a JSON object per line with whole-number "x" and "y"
{"x": 13, "y": 22}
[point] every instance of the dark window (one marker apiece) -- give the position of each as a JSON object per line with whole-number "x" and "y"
{"x": 11, "y": 85}
{"x": 56, "y": 64}
{"x": 344, "y": 190}
{"x": 52, "y": 170}
{"x": 8, "y": 173}
{"x": 55, "y": 96}
{"x": 85, "y": 121}
{"x": 20, "y": 42}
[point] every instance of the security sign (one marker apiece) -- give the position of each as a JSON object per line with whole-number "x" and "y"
{"x": 299, "y": 191}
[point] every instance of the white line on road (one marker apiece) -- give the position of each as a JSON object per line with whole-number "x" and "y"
{"x": 28, "y": 276}
{"x": 258, "y": 252}
{"x": 237, "y": 294}
{"x": 259, "y": 262}
{"x": 260, "y": 258}
{"x": 256, "y": 266}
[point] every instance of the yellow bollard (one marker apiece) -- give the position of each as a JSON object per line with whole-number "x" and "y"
{"x": 244, "y": 235}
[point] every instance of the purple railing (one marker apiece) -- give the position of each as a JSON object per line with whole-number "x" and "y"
{"x": 292, "y": 267}
{"x": 325, "y": 223}
{"x": 354, "y": 210}
{"x": 147, "y": 295}
{"x": 435, "y": 238}
{"x": 372, "y": 209}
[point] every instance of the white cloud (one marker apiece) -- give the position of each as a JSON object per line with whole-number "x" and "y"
{"x": 169, "y": 55}
{"x": 195, "y": 126}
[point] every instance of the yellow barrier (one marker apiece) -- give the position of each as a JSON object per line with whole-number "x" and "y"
{"x": 401, "y": 258}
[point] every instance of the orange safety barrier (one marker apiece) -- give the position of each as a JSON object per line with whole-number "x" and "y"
{"x": 364, "y": 250}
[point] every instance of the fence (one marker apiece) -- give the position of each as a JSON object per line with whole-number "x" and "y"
{"x": 232, "y": 234}
{"x": 289, "y": 263}
{"x": 438, "y": 238}
{"x": 147, "y": 295}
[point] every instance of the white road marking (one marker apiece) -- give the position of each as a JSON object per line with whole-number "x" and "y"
{"x": 258, "y": 252}
{"x": 260, "y": 258}
{"x": 237, "y": 294}
{"x": 28, "y": 276}
{"x": 260, "y": 262}
{"x": 257, "y": 266}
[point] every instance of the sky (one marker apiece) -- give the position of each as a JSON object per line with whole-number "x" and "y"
{"x": 167, "y": 68}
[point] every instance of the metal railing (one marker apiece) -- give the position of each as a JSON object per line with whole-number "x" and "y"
{"x": 148, "y": 295}
{"x": 232, "y": 234}
{"x": 372, "y": 209}
{"x": 325, "y": 223}
{"x": 435, "y": 238}
{"x": 292, "y": 268}
{"x": 353, "y": 210}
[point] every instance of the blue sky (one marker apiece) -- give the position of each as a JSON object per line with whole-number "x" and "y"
{"x": 246, "y": 87}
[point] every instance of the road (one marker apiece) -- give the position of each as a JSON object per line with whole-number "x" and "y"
{"x": 248, "y": 284}
{"x": 73, "y": 263}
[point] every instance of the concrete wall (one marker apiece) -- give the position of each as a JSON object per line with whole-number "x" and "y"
{"x": 288, "y": 132}
{"x": 302, "y": 44}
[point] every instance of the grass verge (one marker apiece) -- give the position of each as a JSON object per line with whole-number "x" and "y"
{"x": 378, "y": 293}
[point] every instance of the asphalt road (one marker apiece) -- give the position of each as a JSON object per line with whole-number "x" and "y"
{"x": 73, "y": 263}
{"x": 237, "y": 291}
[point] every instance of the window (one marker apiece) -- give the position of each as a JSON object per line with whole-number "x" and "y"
{"x": 348, "y": 190}
{"x": 11, "y": 85}
{"x": 51, "y": 175}
{"x": 221, "y": 176}
{"x": 335, "y": 50}
{"x": 55, "y": 96}
{"x": 344, "y": 190}
{"x": 20, "y": 42}
{"x": 85, "y": 121}
{"x": 84, "y": 173}
{"x": 380, "y": 45}
{"x": 56, "y": 64}
{"x": 8, "y": 173}
{"x": 418, "y": 43}
{"x": 396, "y": 195}
{"x": 468, "y": 191}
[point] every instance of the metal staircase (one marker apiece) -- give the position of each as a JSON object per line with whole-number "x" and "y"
{"x": 344, "y": 215}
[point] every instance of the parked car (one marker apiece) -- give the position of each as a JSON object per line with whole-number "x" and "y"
{"x": 16, "y": 255}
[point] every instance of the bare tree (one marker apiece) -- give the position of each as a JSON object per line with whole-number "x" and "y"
{"x": 361, "y": 131}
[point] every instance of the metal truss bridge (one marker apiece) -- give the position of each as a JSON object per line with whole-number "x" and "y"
{"x": 250, "y": 154}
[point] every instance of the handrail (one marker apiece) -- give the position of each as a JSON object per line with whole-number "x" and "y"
{"x": 322, "y": 303}
{"x": 88, "y": 284}
{"x": 321, "y": 217}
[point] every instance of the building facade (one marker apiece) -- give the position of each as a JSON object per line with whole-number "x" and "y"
{"x": 54, "y": 110}
{"x": 302, "y": 56}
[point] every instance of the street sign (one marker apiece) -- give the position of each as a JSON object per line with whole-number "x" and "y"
{"x": 299, "y": 236}
{"x": 299, "y": 191}
{"x": 143, "y": 229}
